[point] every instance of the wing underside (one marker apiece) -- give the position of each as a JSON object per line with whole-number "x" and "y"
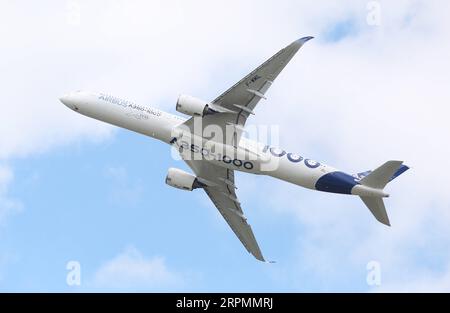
{"x": 222, "y": 193}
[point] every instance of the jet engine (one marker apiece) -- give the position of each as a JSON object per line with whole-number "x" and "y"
{"x": 193, "y": 106}
{"x": 182, "y": 180}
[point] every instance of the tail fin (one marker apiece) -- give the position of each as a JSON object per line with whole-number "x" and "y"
{"x": 378, "y": 179}
{"x": 381, "y": 176}
{"x": 399, "y": 172}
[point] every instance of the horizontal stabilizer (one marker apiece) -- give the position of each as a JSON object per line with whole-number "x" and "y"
{"x": 376, "y": 206}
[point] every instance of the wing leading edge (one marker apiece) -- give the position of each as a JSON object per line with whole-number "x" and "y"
{"x": 238, "y": 102}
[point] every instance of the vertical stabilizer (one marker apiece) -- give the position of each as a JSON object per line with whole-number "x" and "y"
{"x": 382, "y": 175}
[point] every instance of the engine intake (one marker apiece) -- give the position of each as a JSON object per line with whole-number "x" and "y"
{"x": 182, "y": 180}
{"x": 193, "y": 106}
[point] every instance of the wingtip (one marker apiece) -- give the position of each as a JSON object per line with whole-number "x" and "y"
{"x": 305, "y": 39}
{"x": 260, "y": 258}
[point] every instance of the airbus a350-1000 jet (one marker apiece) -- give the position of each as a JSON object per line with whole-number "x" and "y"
{"x": 214, "y": 159}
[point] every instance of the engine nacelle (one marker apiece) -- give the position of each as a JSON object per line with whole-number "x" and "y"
{"x": 193, "y": 106}
{"x": 182, "y": 180}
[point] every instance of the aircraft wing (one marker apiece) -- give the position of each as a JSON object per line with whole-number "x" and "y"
{"x": 237, "y": 103}
{"x": 221, "y": 191}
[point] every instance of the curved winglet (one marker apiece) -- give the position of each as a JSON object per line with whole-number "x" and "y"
{"x": 305, "y": 39}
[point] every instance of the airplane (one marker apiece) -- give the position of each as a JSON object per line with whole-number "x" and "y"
{"x": 214, "y": 159}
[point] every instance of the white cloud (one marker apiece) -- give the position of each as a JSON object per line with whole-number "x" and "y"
{"x": 131, "y": 270}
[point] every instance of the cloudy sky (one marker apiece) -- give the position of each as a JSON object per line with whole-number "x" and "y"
{"x": 372, "y": 86}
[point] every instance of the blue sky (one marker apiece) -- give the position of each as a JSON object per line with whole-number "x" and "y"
{"x": 74, "y": 189}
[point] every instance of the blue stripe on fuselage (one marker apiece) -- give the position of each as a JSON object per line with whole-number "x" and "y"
{"x": 336, "y": 182}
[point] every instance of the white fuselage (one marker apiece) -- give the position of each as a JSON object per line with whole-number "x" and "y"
{"x": 249, "y": 156}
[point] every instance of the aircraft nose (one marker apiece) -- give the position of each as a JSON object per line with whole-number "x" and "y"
{"x": 63, "y": 98}
{"x": 68, "y": 100}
